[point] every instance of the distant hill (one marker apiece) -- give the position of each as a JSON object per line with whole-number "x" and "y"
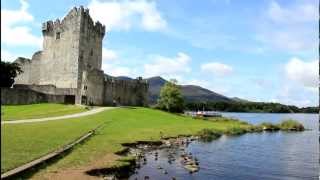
{"x": 239, "y": 99}
{"x": 155, "y": 84}
{"x": 191, "y": 93}
{"x": 123, "y": 78}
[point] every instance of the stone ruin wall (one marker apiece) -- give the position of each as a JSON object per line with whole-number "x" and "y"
{"x": 93, "y": 87}
{"x": 47, "y": 89}
{"x": 125, "y": 92}
{"x": 14, "y": 96}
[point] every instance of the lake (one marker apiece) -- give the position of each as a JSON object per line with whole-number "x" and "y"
{"x": 277, "y": 155}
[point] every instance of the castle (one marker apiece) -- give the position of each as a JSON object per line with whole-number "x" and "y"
{"x": 70, "y": 65}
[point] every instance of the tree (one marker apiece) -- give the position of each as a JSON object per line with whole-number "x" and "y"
{"x": 170, "y": 97}
{"x": 8, "y": 72}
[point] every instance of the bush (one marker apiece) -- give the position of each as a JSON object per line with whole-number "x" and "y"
{"x": 8, "y": 72}
{"x": 269, "y": 126}
{"x": 291, "y": 125}
{"x": 236, "y": 131}
{"x": 255, "y": 129}
{"x": 208, "y": 135}
{"x": 170, "y": 98}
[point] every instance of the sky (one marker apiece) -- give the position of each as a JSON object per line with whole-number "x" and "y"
{"x": 264, "y": 50}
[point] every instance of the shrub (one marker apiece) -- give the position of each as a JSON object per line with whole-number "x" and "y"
{"x": 255, "y": 129}
{"x": 170, "y": 98}
{"x": 236, "y": 131}
{"x": 269, "y": 126}
{"x": 291, "y": 125}
{"x": 8, "y": 72}
{"x": 208, "y": 135}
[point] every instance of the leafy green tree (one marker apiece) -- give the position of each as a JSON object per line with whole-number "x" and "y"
{"x": 170, "y": 98}
{"x": 8, "y": 72}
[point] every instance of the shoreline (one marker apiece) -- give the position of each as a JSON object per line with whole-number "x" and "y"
{"x": 172, "y": 125}
{"x": 134, "y": 154}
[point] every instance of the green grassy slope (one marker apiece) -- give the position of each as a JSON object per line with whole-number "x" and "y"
{"x": 16, "y": 112}
{"x": 24, "y": 142}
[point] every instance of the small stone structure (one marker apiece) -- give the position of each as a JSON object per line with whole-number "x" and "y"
{"x": 70, "y": 65}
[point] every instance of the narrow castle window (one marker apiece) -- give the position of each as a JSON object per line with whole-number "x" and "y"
{"x": 81, "y": 55}
{"x": 58, "y": 35}
{"x": 91, "y": 52}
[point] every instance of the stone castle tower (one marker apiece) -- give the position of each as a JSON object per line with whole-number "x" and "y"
{"x": 71, "y": 61}
{"x": 75, "y": 44}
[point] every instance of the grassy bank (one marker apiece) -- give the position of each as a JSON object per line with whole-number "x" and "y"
{"x": 16, "y": 112}
{"x": 24, "y": 142}
{"x": 286, "y": 125}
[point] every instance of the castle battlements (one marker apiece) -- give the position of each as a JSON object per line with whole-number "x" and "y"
{"x": 79, "y": 15}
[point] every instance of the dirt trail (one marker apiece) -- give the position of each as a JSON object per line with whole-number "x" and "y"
{"x": 87, "y": 113}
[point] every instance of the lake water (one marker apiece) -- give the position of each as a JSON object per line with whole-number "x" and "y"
{"x": 278, "y": 155}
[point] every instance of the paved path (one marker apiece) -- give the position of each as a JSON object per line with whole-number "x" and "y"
{"x": 87, "y": 113}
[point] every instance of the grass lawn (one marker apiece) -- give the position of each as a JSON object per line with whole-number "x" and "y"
{"x": 21, "y": 143}
{"x": 16, "y": 112}
{"x": 24, "y": 142}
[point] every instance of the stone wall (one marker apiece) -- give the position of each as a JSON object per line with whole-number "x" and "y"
{"x": 93, "y": 87}
{"x": 14, "y": 96}
{"x": 125, "y": 92}
{"x": 47, "y": 89}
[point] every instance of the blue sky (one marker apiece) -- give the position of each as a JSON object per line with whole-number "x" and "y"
{"x": 262, "y": 50}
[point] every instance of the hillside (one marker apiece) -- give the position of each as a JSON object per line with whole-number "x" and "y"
{"x": 191, "y": 93}
{"x": 236, "y": 99}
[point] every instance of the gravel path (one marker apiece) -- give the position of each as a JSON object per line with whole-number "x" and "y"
{"x": 87, "y": 113}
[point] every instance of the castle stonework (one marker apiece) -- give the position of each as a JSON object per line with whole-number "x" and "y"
{"x": 70, "y": 62}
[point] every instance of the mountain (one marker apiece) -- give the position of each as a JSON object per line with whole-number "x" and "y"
{"x": 155, "y": 84}
{"x": 123, "y": 78}
{"x": 194, "y": 93}
{"x": 191, "y": 93}
{"x": 236, "y": 99}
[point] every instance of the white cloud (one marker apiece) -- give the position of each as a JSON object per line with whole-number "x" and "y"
{"x": 109, "y": 54}
{"x": 10, "y": 57}
{"x": 116, "y": 70}
{"x": 304, "y": 73}
{"x": 290, "y": 27}
{"x": 123, "y": 15}
{"x": 217, "y": 68}
{"x": 12, "y": 32}
{"x": 168, "y": 66}
{"x": 111, "y": 66}
{"x": 291, "y": 39}
{"x": 7, "y": 56}
{"x": 291, "y": 94}
{"x": 300, "y": 83}
{"x": 297, "y": 13}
